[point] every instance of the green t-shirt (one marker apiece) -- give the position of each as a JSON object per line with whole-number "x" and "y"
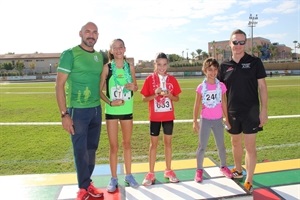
{"x": 83, "y": 83}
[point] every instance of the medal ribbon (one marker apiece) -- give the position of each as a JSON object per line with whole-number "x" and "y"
{"x": 126, "y": 72}
{"x": 204, "y": 91}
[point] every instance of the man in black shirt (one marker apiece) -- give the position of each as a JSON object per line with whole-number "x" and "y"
{"x": 247, "y": 97}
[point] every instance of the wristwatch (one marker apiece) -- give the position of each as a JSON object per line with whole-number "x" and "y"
{"x": 64, "y": 113}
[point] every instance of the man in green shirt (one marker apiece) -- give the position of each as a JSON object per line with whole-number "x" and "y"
{"x": 78, "y": 99}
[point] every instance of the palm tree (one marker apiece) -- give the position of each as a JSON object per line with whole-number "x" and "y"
{"x": 273, "y": 51}
{"x": 199, "y": 51}
{"x": 214, "y": 49}
{"x": 257, "y": 50}
{"x": 219, "y": 52}
{"x": 193, "y": 54}
{"x": 204, "y": 55}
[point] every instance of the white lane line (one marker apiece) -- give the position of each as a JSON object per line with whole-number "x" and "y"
{"x": 145, "y": 157}
{"x": 103, "y": 123}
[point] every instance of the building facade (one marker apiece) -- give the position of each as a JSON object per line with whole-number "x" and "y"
{"x": 262, "y": 48}
{"x": 37, "y": 63}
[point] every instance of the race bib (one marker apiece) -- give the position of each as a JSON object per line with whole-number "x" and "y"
{"x": 210, "y": 98}
{"x": 163, "y": 106}
{"x": 118, "y": 93}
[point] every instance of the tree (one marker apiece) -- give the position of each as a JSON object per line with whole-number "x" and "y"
{"x": 214, "y": 49}
{"x": 32, "y": 66}
{"x": 199, "y": 51}
{"x": 273, "y": 51}
{"x": 19, "y": 67}
{"x": 257, "y": 50}
{"x": 193, "y": 54}
{"x": 204, "y": 55}
{"x": 219, "y": 52}
{"x": 174, "y": 57}
{"x": 8, "y": 66}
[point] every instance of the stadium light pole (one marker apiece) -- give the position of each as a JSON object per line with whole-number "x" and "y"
{"x": 252, "y": 22}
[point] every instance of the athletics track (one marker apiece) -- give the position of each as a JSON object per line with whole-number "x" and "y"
{"x": 279, "y": 180}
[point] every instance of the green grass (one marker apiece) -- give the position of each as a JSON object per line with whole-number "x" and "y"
{"x": 29, "y": 149}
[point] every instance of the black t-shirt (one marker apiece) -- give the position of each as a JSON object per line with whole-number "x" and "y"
{"x": 241, "y": 82}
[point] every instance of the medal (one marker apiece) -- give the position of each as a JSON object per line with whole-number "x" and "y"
{"x": 119, "y": 91}
{"x": 163, "y": 85}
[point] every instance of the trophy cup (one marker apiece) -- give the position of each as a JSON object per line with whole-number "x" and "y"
{"x": 163, "y": 86}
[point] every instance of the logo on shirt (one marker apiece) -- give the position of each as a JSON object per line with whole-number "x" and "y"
{"x": 96, "y": 58}
{"x": 229, "y": 69}
{"x": 245, "y": 65}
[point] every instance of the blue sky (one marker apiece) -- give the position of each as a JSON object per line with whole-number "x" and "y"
{"x": 146, "y": 26}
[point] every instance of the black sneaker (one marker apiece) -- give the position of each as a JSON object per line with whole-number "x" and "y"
{"x": 236, "y": 173}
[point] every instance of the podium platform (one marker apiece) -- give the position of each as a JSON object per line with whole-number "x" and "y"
{"x": 272, "y": 180}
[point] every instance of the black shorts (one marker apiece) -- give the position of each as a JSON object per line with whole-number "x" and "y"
{"x": 120, "y": 117}
{"x": 167, "y": 128}
{"x": 246, "y": 122}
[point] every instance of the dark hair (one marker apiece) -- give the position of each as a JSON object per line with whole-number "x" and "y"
{"x": 110, "y": 55}
{"x": 208, "y": 62}
{"x": 238, "y": 31}
{"x": 161, "y": 55}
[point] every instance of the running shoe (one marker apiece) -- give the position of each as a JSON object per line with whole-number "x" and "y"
{"x": 149, "y": 179}
{"x": 248, "y": 186}
{"x": 129, "y": 180}
{"x": 170, "y": 174}
{"x": 226, "y": 172}
{"x": 94, "y": 192}
{"x": 236, "y": 173}
{"x": 113, "y": 185}
{"x": 82, "y": 194}
{"x": 199, "y": 175}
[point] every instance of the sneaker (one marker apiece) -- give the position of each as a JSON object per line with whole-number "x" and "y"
{"x": 113, "y": 184}
{"x": 82, "y": 194}
{"x": 199, "y": 175}
{"x": 236, "y": 173}
{"x": 248, "y": 186}
{"x": 149, "y": 179}
{"x": 129, "y": 180}
{"x": 226, "y": 172}
{"x": 94, "y": 192}
{"x": 170, "y": 174}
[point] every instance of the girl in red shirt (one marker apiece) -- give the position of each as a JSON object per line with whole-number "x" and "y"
{"x": 160, "y": 89}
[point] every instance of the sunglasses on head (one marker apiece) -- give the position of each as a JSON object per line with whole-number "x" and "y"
{"x": 235, "y": 42}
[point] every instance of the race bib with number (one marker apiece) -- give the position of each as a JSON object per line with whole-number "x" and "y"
{"x": 211, "y": 97}
{"x": 120, "y": 94}
{"x": 164, "y": 106}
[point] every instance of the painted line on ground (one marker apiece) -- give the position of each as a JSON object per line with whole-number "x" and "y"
{"x": 11, "y": 88}
{"x": 27, "y": 92}
{"x": 103, "y": 123}
{"x": 143, "y": 157}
